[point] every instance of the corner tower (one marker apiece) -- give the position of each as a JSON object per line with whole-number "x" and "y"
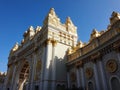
{"x": 59, "y": 38}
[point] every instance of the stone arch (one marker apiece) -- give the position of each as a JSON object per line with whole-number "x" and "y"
{"x": 91, "y": 86}
{"x": 23, "y": 75}
{"x": 115, "y": 83}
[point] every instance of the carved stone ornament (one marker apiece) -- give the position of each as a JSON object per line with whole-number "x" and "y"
{"x": 111, "y": 66}
{"x": 89, "y": 72}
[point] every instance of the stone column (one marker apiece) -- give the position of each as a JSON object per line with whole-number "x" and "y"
{"x": 78, "y": 77}
{"x": 13, "y": 79}
{"x": 47, "y": 64}
{"x": 30, "y": 73}
{"x": 6, "y": 79}
{"x": 96, "y": 76}
{"x": 43, "y": 68}
{"x": 102, "y": 73}
{"x": 16, "y": 79}
{"x": 54, "y": 43}
{"x": 68, "y": 79}
{"x": 82, "y": 77}
{"x": 33, "y": 71}
{"x": 118, "y": 55}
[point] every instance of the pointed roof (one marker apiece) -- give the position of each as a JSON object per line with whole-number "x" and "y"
{"x": 50, "y": 16}
{"x": 52, "y": 11}
{"x": 68, "y": 20}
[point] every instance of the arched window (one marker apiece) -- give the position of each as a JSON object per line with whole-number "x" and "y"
{"x": 115, "y": 84}
{"x": 90, "y": 86}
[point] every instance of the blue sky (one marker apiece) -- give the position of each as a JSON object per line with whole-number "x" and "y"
{"x": 17, "y": 15}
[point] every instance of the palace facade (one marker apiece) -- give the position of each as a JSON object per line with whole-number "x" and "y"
{"x": 51, "y": 58}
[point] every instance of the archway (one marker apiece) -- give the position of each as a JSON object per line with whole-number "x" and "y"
{"x": 115, "y": 84}
{"x": 23, "y": 76}
{"x": 90, "y": 86}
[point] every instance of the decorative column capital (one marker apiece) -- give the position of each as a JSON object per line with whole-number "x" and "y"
{"x": 54, "y": 42}
{"x": 48, "y": 42}
{"x": 79, "y": 64}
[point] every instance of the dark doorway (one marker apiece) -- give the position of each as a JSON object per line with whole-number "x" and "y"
{"x": 115, "y": 84}
{"x": 36, "y": 87}
{"x": 90, "y": 86}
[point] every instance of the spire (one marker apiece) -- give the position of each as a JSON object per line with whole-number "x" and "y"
{"x": 70, "y": 27}
{"x": 38, "y": 28}
{"x": 52, "y": 18}
{"x": 94, "y": 34}
{"x": 68, "y": 20}
{"x": 52, "y": 11}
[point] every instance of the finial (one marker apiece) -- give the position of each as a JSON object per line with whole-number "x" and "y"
{"x": 16, "y": 46}
{"x": 38, "y": 28}
{"x": 94, "y": 34}
{"x": 94, "y": 31}
{"x": 31, "y": 28}
{"x": 114, "y": 14}
{"x": 52, "y": 11}
{"x": 114, "y": 17}
{"x": 68, "y": 20}
{"x": 80, "y": 44}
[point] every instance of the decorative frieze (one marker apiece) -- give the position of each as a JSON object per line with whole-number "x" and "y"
{"x": 116, "y": 45}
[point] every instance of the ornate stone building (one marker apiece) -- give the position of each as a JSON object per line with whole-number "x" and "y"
{"x": 96, "y": 65}
{"x": 51, "y": 58}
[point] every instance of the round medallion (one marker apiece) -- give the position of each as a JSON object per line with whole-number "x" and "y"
{"x": 89, "y": 73}
{"x": 111, "y": 66}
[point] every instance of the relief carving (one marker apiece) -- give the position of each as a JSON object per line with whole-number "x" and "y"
{"x": 111, "y": 66}
{"x": 89, "y": 73}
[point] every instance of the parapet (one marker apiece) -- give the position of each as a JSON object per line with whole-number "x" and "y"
{"x": 96, "y": 38}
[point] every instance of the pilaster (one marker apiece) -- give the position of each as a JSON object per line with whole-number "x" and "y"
{"x": 54, "y": 43}
{"x": 33, "y": 71}
{"x": 68, "y": 79}
{"x": 78, "y": 77}
{"x": 43, "y": 68}
{"x": 47, "y": 63}
{"x": 96, "y": 76}
{"x": 13, "y": 79}
{"x": 82, "y": 77}
{"x": 102, "y": 72}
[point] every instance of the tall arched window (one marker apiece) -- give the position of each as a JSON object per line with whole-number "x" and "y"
{"x": 90, "y": 86}
{"x": 115, "y": 84}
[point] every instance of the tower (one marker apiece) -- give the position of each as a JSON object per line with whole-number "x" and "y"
{"x": 38, "y": 62}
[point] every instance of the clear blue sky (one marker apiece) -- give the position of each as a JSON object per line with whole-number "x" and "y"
{"x": 17, "y": 15}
